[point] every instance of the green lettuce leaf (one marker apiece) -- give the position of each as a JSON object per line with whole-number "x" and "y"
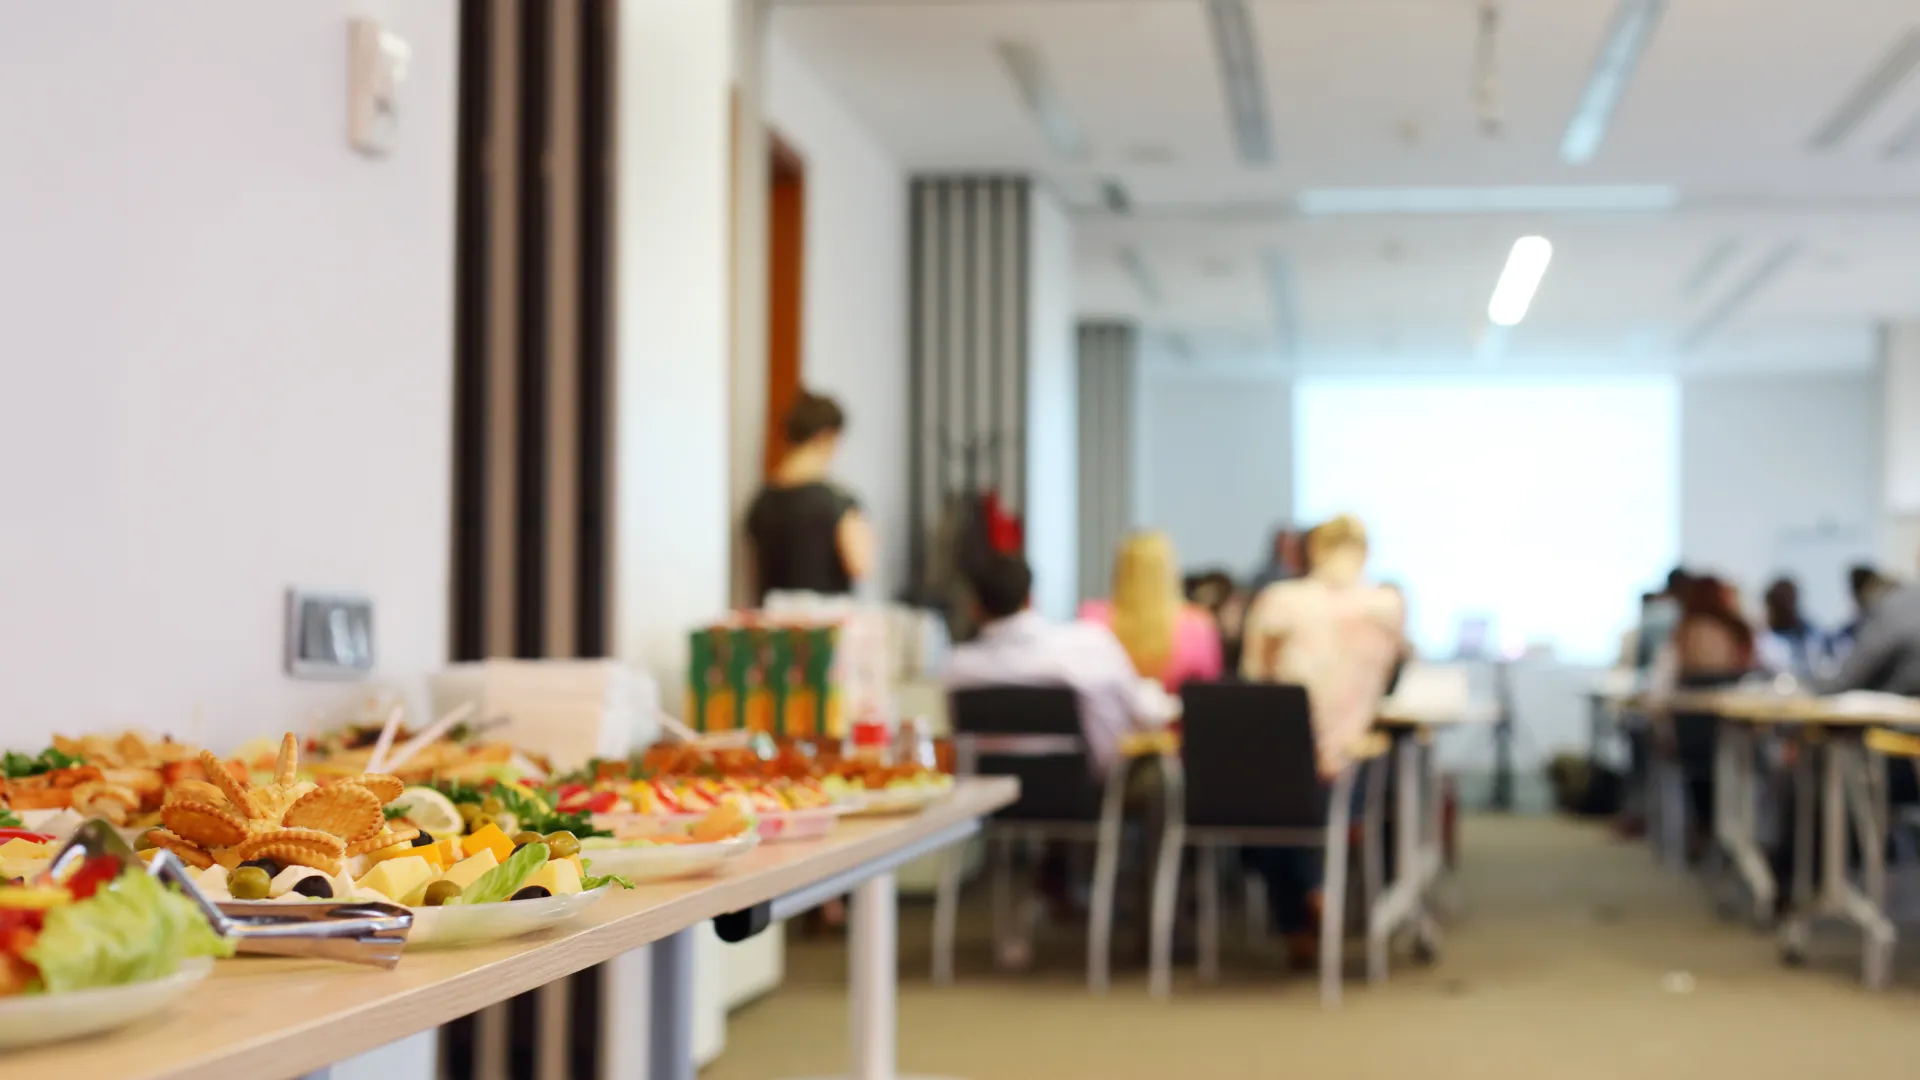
{"x": 10, "y": 820}
{"x": 506, "y": 879}
{"x": 131, "y": 931}
{"x": 591, "y": 881}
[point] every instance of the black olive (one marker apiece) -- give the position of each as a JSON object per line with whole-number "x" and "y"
{"x": 425, "y": 839}
{"x": 272, "y": 868}
{"x": 315, "y": 886}
{"x": 517, "y": 847}
{"x": 531, "y": 892}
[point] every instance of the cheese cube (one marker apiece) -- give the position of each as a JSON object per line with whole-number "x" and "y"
{"x": 17, "y": 848}
{"x": 397, "y": 851}
{"x": 558, "y": 876}
{"x": 488, "y": 838}
{"x": 450, "y": 850}
{"x": 396, "y": 878}
{"x": 467, "y": 871}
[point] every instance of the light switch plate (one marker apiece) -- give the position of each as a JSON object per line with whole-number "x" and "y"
{"x": 329, "y": 635}
{"x": 376, "y": 65}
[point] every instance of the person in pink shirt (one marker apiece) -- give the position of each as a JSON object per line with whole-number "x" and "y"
{"x": 1168, "y": 639}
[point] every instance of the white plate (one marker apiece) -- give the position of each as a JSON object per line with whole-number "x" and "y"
{"x": 29, "y": 1020}
{"x": 774, "y": 825}
{"x": 665, "y": 862}
{"x": 907, "y": 800}
{"x": 468, "y": 924}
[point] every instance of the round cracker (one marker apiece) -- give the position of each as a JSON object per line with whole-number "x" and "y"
{"x": 348, "y": 811}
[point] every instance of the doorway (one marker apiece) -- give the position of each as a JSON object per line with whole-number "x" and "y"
{"x": 786, "y": 273}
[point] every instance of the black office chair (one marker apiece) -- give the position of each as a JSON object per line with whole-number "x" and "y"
{"x": 1247, "y": 774}
{"x": 1034, "y": 734}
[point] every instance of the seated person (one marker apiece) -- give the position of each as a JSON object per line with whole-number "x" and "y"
{"x": 1791, "y": 645}
{"x": 1018, "y": 646}
{"x": 1339, "y": 636}
{"x": 1712, "y": 646}
{"x": 1167, "y": 639}
{"x": 1332, "y": 632}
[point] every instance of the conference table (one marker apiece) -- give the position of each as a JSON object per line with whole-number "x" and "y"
{"x": 264, "y": 1019}
{"x": 1849, "y": 788}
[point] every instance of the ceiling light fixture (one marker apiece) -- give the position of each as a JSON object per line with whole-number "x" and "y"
{"x": 1873, "y": 91}
{"x": 1526, "y": 265}
{"x": 1238, "y": 53}
{"x": 1715, "y": 260}
{"x": 1136, "y": 268}
{"x": 1327, "y": 202}
{"x": 1281, "y": 302}
{"x": 1029, "y": 75}
{"x": 1763, "y": 272}
{"x": 1905, "y": 142}
{"x": 1633, "y": 26}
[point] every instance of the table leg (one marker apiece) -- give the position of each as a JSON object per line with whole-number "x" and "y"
{"x": 670, "y": 1039}
{"x": 1735, "y": 826}
{"x": 872, "y": 955}
{"x": 1844, "y": 786}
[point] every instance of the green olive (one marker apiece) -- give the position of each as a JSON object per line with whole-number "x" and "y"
{"x": 528, "y": 837}
{"x": 478, "y": 822}
{"x": 469, "y": 811}
{"x": 562, "y": 844}
{"x": 440, "y": 892}
{"x": 249, "y": 883}
{"x": 492, "y": 807}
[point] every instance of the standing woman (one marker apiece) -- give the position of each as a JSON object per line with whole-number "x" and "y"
{"x": 1167, "y": 639}
{"x": 807, "y": 533}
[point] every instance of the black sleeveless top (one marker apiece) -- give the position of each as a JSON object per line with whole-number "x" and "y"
{"x": 794, "y": 532}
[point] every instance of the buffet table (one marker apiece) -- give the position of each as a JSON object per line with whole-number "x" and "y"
{"x": 277, "y": 1018}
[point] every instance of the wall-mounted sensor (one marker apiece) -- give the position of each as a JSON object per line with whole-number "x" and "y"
{"x": 329, "y": 635}
{"x": 376, "y": 65}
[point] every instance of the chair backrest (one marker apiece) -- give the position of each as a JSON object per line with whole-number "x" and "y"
{"x": 1054, "y": 786}
{"x": 1249, "y": 756}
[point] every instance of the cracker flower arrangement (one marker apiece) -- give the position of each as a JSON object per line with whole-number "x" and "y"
{"x": 229, "y": 820}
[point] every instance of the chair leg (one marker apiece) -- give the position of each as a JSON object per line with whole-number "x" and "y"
{"x": 1255, "y": 897}
{"x": 1000, "y": 851}
{"x": 1373, "y": 848}
{"x": 1334, "y": 909}
{"x": 1166, "y": 894}
{"x": 946, "y": 910}
{"x": 1208, "y": 867}
{"x": 1106, "y": 871}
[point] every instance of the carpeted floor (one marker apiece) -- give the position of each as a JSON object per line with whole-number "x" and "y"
{"x": 1571, "y": 957}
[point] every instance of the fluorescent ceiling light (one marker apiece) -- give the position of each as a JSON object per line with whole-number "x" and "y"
{"x": 1280, "y": 299}
{"x": 1633, "y": 26}
{"x": 1317, "y": 202}
{"x": 1036, "y": 90}
{"x": 1905, "y": 142}
{"x": 1526, "y": 265}
{"x": 1143, "y": 279}
{"x": 1893, "y": 69}
{"x": 1238, "y": 53}
{"x": 1744, "y": 291}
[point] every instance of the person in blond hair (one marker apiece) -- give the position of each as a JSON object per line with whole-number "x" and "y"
{"x": 1168, "y": 639}
{"x": 1339, "y": 636}
{"x": 1334, "y": 633}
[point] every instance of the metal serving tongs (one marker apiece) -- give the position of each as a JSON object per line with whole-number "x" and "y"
{"x": 351, "y": 931}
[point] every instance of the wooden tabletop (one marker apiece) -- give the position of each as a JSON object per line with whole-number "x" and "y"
{"x": 1755, "y": 708}
{"x": 258, "y": 1018}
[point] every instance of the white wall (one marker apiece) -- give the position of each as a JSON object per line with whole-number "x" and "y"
{"x": 1782, "y": 473}
{"x": 1051, "y": 509}
{"x": 228, "y": 353}
{"x": 854, "y": 320}
{"x": 672, "y": 330}
{"x": 1216, "y": 463}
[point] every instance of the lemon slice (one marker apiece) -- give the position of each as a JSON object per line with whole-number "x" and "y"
{"x": 432, "y": 812}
